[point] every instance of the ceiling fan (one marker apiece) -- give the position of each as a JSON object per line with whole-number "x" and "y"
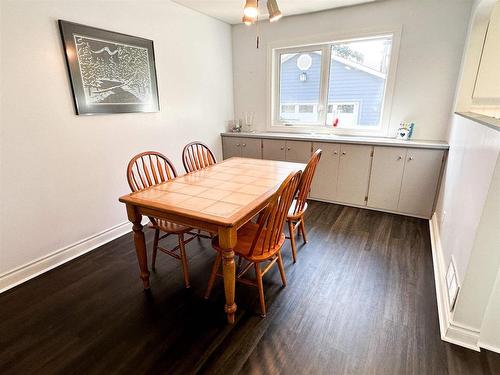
{"x": 251, "y": 11}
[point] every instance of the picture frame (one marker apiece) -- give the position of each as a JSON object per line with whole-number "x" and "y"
{"x": 109, "y": 72}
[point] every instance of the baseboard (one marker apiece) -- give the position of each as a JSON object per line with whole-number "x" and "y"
{"x": 489, "y": 347}
{"x": 32, "y": 269}
{"x": 451, "y": 331}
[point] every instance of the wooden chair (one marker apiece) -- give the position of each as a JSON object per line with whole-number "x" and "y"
{"x": 196, "y": 156}
{"x": 151, "y": 168}
{"x": 262, "y": 241}
{"x": 298, "y": 208}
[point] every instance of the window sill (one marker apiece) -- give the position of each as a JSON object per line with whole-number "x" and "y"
{"x": 323, "y": 130}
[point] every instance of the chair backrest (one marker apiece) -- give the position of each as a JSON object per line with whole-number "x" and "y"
{"x": 273, "y": 218}
{"x": 149, "y": 168}
{"x": 305, "y": 183}
{"x": 196, "y": 156}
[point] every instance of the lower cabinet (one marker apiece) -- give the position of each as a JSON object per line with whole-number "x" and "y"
{"x": 241, "y": 147}
{"x": 386, "y": 176}
{"x": 324, "y": 184}
{"x": 420, "y": 182}
{"x": 405, "y": 180}
{"x": 273, "y": 149}
{"x": 294, "y": 151}
{"x": 343, "y": 173}
{"x": 397, "y": 179}
{"x": 354, "y": 174}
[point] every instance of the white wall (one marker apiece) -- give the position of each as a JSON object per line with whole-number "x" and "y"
{"x": 468, "y": 209}
{"x": 429, "y": 61}
{"x": 484, "y": 263}
{"x": 62, "y": 174}
{"x": 474, "y": 149}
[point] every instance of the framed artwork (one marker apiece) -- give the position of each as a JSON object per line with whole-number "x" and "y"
{"x": 109, "y": 72}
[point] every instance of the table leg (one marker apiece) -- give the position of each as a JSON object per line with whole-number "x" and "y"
{"x": 227, "y": 241}
{"x": 140, "y": 244}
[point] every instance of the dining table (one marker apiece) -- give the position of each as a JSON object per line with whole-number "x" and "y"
{"x": 218, "y": 199}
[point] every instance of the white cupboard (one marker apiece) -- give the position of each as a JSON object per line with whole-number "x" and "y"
{"x": 354, "y": 173}
{"x": 324, "y": 184}
{"x": 294, "y": 151}
{"x": 389, "y": 178}
{"x": 242, "y": 147}
{"x": 420, "y": 181}
{"x": 273, "y": 149}
{"x": 386, "y": 176}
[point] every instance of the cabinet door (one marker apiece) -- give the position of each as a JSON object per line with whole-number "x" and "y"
{"x": 273, "y": 149}
{"x": 354, "y": 173}
{"x": 251, "y": 148}
{"x": 386, "y": 176}
{"x": 420, "y": 179}
{"x": 231, "y": 147}
{"x": 324, "y": 184}
{"x": 298, "y": 151}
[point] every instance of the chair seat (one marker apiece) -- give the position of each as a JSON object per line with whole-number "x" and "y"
{"x": 246, "y": 235}
{"x": 169, "y": 227}
{"x": 295, "y": 215}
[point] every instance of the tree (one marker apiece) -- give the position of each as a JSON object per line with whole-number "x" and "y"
{"x": 343, "y": 50}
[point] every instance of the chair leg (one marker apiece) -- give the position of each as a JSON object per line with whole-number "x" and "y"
{"x": 291, "y": 229}
{"x": 213, "y": 274}
{"x": 155, "y": 249}
{"x": 303, "y": 229}
{"x": 281, "y": 268}
{"x": 184, "y": 260}
{"x": 260, "y": 285}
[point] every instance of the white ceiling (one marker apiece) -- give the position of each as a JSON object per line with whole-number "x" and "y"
{"x": 231, "y": 11}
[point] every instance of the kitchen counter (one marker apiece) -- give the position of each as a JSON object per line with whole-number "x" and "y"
{"x": 379, "y": 141}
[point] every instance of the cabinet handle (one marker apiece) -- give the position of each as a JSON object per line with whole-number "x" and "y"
{"x": 244, "y": 145}
{"x": 335, "y": 153}
{"x": 343, "y": 152}
{"x": 400, "y": 157}
{"x": 282, "y": 148}
{"x": 289, "y": 148}
{"x": 237, "y": 145}
{"x": 410, "y": 158}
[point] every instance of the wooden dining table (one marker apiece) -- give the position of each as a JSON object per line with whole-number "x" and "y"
{"x": 219, "y": 199}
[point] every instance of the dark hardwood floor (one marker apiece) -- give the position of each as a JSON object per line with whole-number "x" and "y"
{"x": 360, "y": 300}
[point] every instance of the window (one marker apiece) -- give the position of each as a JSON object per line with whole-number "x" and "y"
{"x": 342, "y": 82}
{"x": 300, "y": 86}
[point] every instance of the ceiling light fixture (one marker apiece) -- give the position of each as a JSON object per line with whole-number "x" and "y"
{"x": 274, "y": 11}
{"x": 247, "y": 20}
{"x": 251, "y": 9}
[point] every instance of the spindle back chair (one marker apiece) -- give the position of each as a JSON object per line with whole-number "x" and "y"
{"x": 295, "y": 218}
{"x": 197, "y": 155}
{"x": 262, "y": 241}
{"x": 151, "y": 168}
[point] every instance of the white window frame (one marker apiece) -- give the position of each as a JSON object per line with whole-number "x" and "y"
{"x": 323, "y": 43}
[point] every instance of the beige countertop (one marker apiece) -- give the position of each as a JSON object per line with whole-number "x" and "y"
{"x": 377, "y": 141}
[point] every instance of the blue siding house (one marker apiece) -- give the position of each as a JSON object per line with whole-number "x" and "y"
{"x": 355, "y": 94}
